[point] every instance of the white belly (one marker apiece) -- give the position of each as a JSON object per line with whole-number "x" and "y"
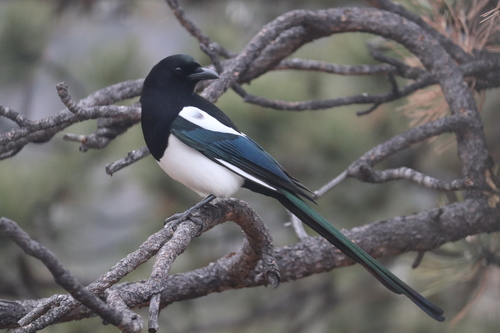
{"x": 194, "y": 170}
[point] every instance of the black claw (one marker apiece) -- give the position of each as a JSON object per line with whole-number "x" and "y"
{"x": 175, "y": 220}
{"x": 173, "y": 223}
{"x": 199, "y": 222}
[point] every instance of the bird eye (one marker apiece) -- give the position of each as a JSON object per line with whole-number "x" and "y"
{"x": 178, "y": 71}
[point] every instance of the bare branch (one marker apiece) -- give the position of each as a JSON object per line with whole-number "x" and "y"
{"x": 62, "y": 91}
{"x": 414, "y": 135}
{"x": 367, "y": 174}
{"x": 133, "y": 320}
{"x": 297, "y": 226}
{"x": 131, "y": 157}
{"x": 256, "y": 263}
{"x": 326, "y": 67}
{"x": 331, "y": 184}
{"x": 376, "y": 51}
{"x": 42, "y": 308}
{"x": 196, "y": 32}
{"x": 154, "y": 312}
{"x": 455, "y": 51}
{"x": 256, "y": 247}
{"x": 107, "y": 129}
{"x": 62, "y": 276}
{"x": 335, "y": 102}
{"x": 422, "y": 232}
{"x": 43, "y": 130}
{"x": 16, "y": 117}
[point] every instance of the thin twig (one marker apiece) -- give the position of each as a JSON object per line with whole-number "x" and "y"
{"x": 401, "y": 68}
{"x": 154, "y": 312}
{"x": 412, "y": 136}
{"x": 298, "y": 226}
{"x": 364, "y": 98}
{"x": 367, "y": 174}
{"x": 195, "y": 31}
{"x": 418, "y": 259}
{"x": 15, "y": 116}
{"x": 132, "y": 157}
{"x": 91, "y": 107}
{"x": 62, "y": 91}
{"x": 326, "y": 67}
{"x": 331, "y": 184}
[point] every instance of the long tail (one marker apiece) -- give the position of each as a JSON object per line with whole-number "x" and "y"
{"x": 319, "y": 224}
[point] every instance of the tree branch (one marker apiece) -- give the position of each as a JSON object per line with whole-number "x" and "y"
{"x": 131, "y": 157}
{"x": 421, "y": 232}
{"x": 256, "y": 263}
{"x": 367, "y": 174}
{"x": 256, "y": 247}
{"x": 61, "y": 276}
{"x": 90, "y": 107}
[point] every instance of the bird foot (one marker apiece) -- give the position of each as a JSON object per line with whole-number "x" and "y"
{"x": 176, "y": 219}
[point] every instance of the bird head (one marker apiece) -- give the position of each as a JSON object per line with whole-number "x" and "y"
{"x": 179, "y": 70}
{"x": 168, "y": 88}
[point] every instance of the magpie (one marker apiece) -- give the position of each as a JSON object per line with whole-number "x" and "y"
{"x": 195, "y": 143}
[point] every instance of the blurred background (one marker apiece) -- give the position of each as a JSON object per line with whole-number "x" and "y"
{"x": 64, "y": 198}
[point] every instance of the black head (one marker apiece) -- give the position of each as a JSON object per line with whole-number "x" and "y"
{"x": 180, "y": 72}
{"x": 167, "y": 89}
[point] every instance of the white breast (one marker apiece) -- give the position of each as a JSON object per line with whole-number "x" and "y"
{"x": 194, "y": 170}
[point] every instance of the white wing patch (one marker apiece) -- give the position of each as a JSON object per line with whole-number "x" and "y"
{"x": 219, "y": 180}
{"x": 206, "y": 121}
{"x": 244, "y": 174}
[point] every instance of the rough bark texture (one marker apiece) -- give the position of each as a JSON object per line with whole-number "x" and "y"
{"x": 257, "y": 264}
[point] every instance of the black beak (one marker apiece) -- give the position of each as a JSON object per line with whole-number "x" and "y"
{"x": 202, "y": 73}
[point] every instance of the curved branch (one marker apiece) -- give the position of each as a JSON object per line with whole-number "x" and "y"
{"x": 421, "y": 232}
{"x": 90, "y": 107}
{"x": 456, "y": 52}
{"x": 256, "y": 247}
{"x": 196, "y": 32}
{"x": 61, "y": 276}
{"x": 15, "y": 116}
{"x": 451, "y": 124}
{"x": 266, "y": 51}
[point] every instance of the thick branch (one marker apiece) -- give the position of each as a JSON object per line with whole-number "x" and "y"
{"x": 456, "y": 52}
{"x": 257, "y": 246}
{"x": 423, "y": 231}
{"x": 266, "y": 51}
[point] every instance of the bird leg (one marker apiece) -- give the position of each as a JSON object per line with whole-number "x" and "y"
{"x": 174, "y": 220}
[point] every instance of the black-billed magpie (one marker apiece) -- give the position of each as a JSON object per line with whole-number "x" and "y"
{"x": 195, "y": 143}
